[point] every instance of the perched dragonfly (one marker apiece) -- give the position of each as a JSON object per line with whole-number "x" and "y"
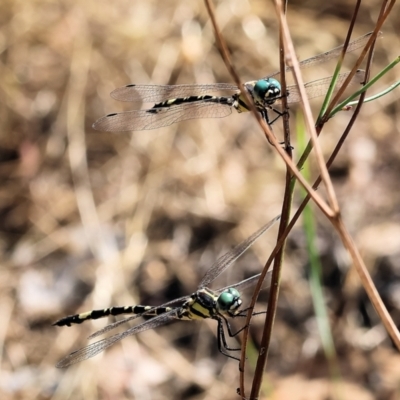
{"x": 176, "y": 103}
{"x": 204, "y": 303}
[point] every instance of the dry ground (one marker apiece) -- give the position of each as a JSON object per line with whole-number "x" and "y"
{"x": 91, "y": 219}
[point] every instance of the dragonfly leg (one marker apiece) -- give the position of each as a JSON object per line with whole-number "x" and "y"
{"x": 228, "y": 325}
{"x": 242, "y": 313}
{"x": 253, "y": 314}
{"x": 222, "y": 345}
{"x": 264, "y": 115}
{"x": 279, "y": 114}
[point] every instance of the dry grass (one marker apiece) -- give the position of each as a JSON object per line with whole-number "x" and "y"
{"x": 93, "y": 219}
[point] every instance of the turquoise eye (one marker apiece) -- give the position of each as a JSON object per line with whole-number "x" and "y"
{"x": 229, "y": 300}
{"x": 267, "y": 91}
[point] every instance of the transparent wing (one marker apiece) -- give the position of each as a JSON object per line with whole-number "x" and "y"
{"x": 227, "y": 259}
{"x": 139, "y": 120}
{"x": 158, "y": 93}
{"x": 95, "y": 348}
{"x": 329, "y": 55}
{"x": 248, "y": 283}
{"x": 148, "y": 312}
{"x": 319, "y": 87}
{"x": 113, "y": 326}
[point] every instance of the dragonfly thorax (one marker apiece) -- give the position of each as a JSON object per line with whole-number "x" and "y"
{"x": 229, "y": 301}
{"x": 266, "y": 91}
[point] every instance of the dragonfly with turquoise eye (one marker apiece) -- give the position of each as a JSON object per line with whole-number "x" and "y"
{"x": 176, "y": 103}
{"x": 204, "y": 303}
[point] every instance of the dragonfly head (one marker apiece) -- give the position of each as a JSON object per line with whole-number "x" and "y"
{"x": 266, "y": 91}
{"x": 229, "y": 301}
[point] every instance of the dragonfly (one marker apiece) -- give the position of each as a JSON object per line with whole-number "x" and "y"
{"x": 204, "y": 303}
{"x": 176, "y": 103}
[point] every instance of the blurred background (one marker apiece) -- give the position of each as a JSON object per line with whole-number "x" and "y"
{"x": 92, "y": 219}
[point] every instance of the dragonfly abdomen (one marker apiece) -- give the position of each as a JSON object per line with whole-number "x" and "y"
{"x": 191, "y": 99}
{"x": 96, "y": 314}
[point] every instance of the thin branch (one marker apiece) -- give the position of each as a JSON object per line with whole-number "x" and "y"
{"x": 309, "y": 120}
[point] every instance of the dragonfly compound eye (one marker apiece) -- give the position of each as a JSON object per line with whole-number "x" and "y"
{"x": 267, "y": 91}
{"x": 229, "y": 300}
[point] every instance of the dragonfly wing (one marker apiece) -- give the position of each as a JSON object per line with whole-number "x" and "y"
{"x": 113, "y": 326}
{"x": 319, "y": 87}
{"x": 159, "y": 93}
{"x": 140, "y": 120}
{"x": 227, "y": 259}
{"x": 249, "y": 282}
{"x": 329, "y": 55}
{"x": 146, "y": 313}
{"x": 95, "y": 348}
